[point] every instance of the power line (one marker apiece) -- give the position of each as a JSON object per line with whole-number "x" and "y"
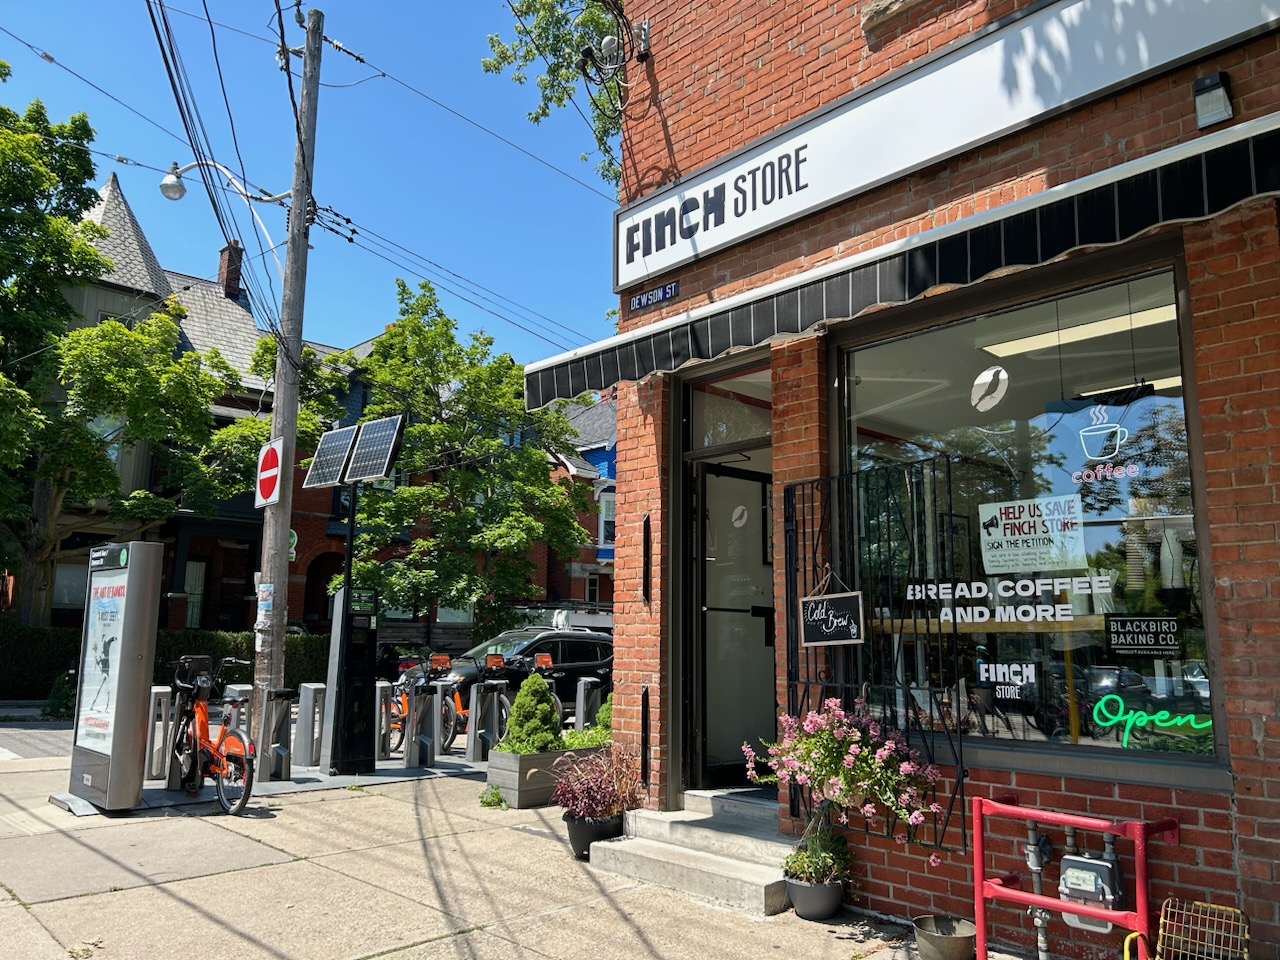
{"x": 49, "y": 58}
{"x": 388, "y": 242}
{"x": 458, "y": 295}
{"x": 337, "y": 45}
{"x": 200, "y": 145}
{"x": 409, "y": 268}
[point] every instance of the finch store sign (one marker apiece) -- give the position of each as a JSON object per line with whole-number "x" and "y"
{"x": 966, "y": 92}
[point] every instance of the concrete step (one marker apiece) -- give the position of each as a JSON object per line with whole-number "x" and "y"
{"x": 747, "y": 805}
{"x": 747, "y": 840}
{"x": 748, "y": 886}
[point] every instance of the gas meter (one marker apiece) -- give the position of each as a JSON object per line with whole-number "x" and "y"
{"x": 1091, "y": 880}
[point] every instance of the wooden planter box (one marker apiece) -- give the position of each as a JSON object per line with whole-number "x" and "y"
{"x": 526, "y": 779}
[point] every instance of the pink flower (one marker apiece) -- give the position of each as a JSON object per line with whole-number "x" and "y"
{"x": 934, "y": 859}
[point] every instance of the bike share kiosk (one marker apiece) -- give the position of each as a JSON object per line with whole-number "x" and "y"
{"x": 349, "y": 456}
{"x": 117, "y": 661}
{"x": 350, "y": 738}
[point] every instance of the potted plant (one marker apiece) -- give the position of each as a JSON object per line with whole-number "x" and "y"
{"x": 817, "y": 869}
{"x": 850, "y": 763}
{"x": 595, "y": 789}
{"x": 520, "y": 764}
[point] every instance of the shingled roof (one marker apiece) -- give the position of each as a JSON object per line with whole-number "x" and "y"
{"x": 596, "y": 423}
{"x": 133, "y": 263}
{"x": 213, "y": 321}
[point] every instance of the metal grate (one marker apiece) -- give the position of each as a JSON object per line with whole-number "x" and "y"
{"x": 879, "y": 530}
{"x": 1195, "y": 930}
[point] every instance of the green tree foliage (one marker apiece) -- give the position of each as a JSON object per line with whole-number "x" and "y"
{"x": 44, "y": 247}
{"x": 479, "y": 493}
{"x": 117, "y": 387}
{"x": 76, "y": 397}
{"x": 549, "y": 37}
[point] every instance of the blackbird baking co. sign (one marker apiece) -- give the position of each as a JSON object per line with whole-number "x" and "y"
{"x": 830, "y": 619}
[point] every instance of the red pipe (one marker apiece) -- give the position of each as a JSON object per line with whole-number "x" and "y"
{"x": 1008, "y": 887}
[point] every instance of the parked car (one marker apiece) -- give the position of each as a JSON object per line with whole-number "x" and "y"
{"x": 396, "y": 657}
{"x": 1127, "y": 684}
{"x": 1191, "y": 691}
{"x": 574, "y": 654}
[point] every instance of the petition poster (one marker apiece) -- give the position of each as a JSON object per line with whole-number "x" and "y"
{"x": 1024, "y": 536}
{"x": 100, "y": 671}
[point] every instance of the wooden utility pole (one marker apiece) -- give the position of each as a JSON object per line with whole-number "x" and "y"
{"x": 268, "y": 668}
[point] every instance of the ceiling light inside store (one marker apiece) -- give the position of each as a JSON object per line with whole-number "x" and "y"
{"x": 1164, "y": 383}
{"x": 1085, "y": 331}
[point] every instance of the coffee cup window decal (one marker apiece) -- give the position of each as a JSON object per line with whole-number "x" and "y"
{"x": 1102, "y": 439}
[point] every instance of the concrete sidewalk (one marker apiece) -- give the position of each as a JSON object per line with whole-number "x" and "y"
{"x": 411, "y": 869}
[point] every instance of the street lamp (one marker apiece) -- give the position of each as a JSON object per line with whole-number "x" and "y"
{"x": 173, "y": 188}
{"x": 268, "y": 668}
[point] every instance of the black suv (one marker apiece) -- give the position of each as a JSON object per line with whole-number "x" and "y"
{"x": 574, "y": 654}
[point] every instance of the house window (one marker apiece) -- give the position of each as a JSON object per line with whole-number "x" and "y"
{"x": 463, "y": 615}
{"x": 606, "y": 518}
{"x": 1053, "y": 537}
{"x": 70, "y": 585}
{"x": 593, "y": 589}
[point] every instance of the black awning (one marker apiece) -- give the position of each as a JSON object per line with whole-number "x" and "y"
{"x": 1231, "y": 167}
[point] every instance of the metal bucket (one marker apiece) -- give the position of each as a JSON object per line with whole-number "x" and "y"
{"x": 945, "y": 938}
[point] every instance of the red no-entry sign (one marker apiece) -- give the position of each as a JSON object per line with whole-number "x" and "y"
{"x": 267, "y": 489}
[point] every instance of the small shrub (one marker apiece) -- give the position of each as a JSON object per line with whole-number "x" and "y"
{"x": 821, "y": 856}
{"x": 61, "y": 702}
{"x": 534, "y": 724}
{"x": 600, "y": 733}
{"x": 492, "y": 797}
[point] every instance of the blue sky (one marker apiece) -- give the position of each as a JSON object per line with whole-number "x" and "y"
{"x": 411, "y": 175}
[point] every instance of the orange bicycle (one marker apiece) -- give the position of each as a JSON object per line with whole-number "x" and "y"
{"x": 229, "y": 759}
{"x": 402, "y": 689}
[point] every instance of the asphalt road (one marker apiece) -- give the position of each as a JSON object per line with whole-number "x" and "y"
{"x": 24, "y": 741}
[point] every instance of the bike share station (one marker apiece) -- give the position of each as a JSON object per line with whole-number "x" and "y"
{"x": 117, "y": 656}
{"x": 354, "y": 706}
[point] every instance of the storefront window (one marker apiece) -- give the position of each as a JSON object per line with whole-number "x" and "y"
{"x": 1055, "y": 550}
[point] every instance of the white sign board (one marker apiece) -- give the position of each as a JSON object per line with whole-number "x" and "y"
{"x": 1064, "y": 53}
{"x": 104, "y": 626}
{"x": 1028, "y": 536}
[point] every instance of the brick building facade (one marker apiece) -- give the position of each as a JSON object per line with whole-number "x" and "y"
{"x": 948, "y": 263}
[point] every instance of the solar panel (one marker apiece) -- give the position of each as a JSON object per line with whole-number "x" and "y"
{"x": 375, "y": 448}
{"x": 330, "y": 458}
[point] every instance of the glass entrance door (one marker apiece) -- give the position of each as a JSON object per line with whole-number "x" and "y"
{"x": 735, "y": 642}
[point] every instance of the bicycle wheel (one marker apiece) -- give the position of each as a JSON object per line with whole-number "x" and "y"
{"x": 234, "y": 786}
{"x": 558, "y": 706}
{"x": 448, "y": 723}
{"x": 504, "y": 711}
{"x": 184, "y": 754}
{"x": 397, "y": 724}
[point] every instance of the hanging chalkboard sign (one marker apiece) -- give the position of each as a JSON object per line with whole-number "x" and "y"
{"x": 831, "y": 618}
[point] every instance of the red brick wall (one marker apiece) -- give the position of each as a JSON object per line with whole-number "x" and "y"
{"x": 640, "y": 656}
{"x": 1123, "y": 127}
{"x": 1233, "y": 267}
{"x": 717, "y": 82}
